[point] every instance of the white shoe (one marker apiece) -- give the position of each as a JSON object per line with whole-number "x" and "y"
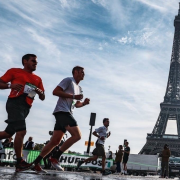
{"x": 56, "y": 165}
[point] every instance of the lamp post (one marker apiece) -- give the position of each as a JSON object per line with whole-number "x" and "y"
{"x": 91, "y": 123}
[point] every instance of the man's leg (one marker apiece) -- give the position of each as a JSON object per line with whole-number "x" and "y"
{"x": 93, "y": 158}
{"x": 162, "y": 169}
{"x": 18, "y": 143}
{"x": 118, "y": 167}
{"x": 55, "y": 140}
{"x": 4, "y": 135}
{"x": 125, "y": 167}
{"x": 167, "y": 168}
{"x": 75, "y": 136}
{"x": 103, "y": 163}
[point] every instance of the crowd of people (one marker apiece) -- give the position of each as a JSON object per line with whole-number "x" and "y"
{"x": 24, "y": 86}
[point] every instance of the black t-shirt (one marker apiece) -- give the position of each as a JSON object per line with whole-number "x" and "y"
{"x": 126, "y": 154}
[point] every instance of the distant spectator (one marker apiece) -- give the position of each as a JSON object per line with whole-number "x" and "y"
{"x": 165, "y": 161}
{"x": 118, "y": 159}
{"x": 29, "y": 144}
{"x": 110, "y": 155}
{"x": 8, "y": 143}
{"x": 126, "y": 157}
{"x": 1, "y": 146}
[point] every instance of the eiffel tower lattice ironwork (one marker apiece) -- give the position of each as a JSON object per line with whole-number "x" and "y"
{"x": 170, "y": 108}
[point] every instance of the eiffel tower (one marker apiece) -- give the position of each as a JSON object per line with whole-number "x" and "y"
{"x": 170, "y": 108}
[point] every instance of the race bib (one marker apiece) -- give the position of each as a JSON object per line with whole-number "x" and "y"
{"x": 73, "y": 105}
{"x": 29, "y": 89}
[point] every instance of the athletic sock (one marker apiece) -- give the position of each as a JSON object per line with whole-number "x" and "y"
{"x": 19, "y": 160}
{"x": 38, "y": 159}
{"x": 57, "y": 154}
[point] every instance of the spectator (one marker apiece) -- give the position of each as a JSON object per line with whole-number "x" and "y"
{"x": 110, "y": 155}
{"x": 165, "y": 161}
{"x": 8, "y": 143}
{"x": 125, "y": 157}
{"x": 29, "y": 144}
{"x": 118, "y": 159}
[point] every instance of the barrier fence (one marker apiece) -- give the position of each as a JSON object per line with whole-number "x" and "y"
{"x": 67, "y": 160}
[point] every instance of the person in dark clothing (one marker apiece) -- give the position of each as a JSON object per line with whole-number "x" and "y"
{"x": 118, "y": 159}
{"x": 110, "y": 155}
{"x": 125, "y": 157}
{"x": 29, "y": 144}
{"x": 8, "y": 143}
{"x": 165, "y": 161}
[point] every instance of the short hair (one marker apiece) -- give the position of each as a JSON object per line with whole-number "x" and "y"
{"x": 76, "y": 68}
{"x": 27, "y": 56}
{"x": 105, "y": 119}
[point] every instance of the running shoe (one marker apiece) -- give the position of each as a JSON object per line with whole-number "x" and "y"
{"x": 23, "y": 165}
{"x": 105, "y": 173}
{"x": 79, "y": 164}
{"x": 55, "y": 164}
{"x": 38, "y": 169}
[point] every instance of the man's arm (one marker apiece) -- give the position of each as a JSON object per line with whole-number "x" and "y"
{"x": 108, "y": 134}
{"x": 40, "y": 93}
{"x": 97, "y": 135}
{"x": 81, "y": 104}
{"x": 58, "y": 91}
{"x": 4, "y": 85}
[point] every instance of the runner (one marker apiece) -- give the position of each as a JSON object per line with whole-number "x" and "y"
{"x": 70, "y": 94}
{"x": 24, "y": 86}
{"x": 102, "y": 134}
{"x": 125, "y": 157}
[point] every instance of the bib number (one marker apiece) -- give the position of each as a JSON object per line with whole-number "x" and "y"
{"x": 29, "y": 89}
{"x": 73, "y": 105}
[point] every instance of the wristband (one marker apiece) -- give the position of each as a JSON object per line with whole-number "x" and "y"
{"x": 9, "y": 86}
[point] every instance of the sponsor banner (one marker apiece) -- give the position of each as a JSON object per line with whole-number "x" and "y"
{"x": 8, "y": 155}
{"x": 66, "y": 160}
{"x": 71, "y": 160}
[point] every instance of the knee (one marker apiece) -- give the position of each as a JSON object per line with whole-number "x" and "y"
{"x": 95, "y": 158}
{"x": 21, "y": 133}
{"x": 55, "y": 142}
{"x": 77, "y": 137}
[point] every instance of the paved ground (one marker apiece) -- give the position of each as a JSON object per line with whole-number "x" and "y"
{"x": 8, "y": 173}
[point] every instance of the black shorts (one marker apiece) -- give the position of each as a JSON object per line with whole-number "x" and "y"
{"x": 99, "y": 150}
{"x": 64, "y": 119}
{"x": 17, "y": 109}
{"x": 125, "y": 160}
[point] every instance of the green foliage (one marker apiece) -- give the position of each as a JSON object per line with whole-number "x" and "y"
{"x": 38, "y": 147}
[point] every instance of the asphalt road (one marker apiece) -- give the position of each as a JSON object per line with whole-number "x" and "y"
{"x": 8, "y": 173}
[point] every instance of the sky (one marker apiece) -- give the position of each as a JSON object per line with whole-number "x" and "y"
{"x": 124, "y": 46}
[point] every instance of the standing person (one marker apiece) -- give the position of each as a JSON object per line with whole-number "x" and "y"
{"x": 118, "y": 159}
{"x": 165, "y": 161}
{"x": 8, "y": 143}
{"x": 24, "y": 85}
{"x": 102, "y": 134}
{"x": 125, "y": 157}
{"x": 29, "y": 144}
{"x": 70, "y": 96}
